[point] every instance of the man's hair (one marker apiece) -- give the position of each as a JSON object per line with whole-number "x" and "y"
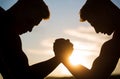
{"x": 34, "y": 7}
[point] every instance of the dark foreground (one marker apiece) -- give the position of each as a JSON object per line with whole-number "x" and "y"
{"x": 112, "y": 77}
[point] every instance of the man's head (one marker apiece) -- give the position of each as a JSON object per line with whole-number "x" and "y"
{"x": 101, "y": 14}
{"x": 28, "y": 13}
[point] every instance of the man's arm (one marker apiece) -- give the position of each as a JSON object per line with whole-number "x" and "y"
{"x": 102, "y": 67}
{"x": 107, "y": 60}
{"x": 79, "y": 71}
{"x": 42, "y": 69}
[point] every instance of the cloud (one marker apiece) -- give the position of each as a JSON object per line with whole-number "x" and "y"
{"x": 86, "y": 34}
{"x": 38, "y": 55}
{"x": 47, "y": 42}
{"x": 86, "y": 38}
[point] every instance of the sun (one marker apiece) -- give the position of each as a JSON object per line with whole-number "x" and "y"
{"x": 79, "y": 57}
{"x": 74, "y": 59}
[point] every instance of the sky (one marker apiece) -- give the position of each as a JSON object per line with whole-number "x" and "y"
{"x": 64, "y": 22}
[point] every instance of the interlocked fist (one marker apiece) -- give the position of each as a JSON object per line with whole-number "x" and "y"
{"x": 63, "y": 48}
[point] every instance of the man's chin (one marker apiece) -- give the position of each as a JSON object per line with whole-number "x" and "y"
{"x": 21, "y": 33}
{"x": 108, "y": 33}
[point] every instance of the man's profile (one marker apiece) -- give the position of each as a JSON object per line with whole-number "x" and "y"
{"x": 17, "y": 20}
{"x": 104, "y": 16}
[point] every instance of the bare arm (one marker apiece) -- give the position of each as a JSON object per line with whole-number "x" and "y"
{"x": 107, "y": 60}
{"x": 42, "y": 69}
{"x": 102, "y": 67}
{"x": 79, "y": 72}
{"x": 46, "y": 67}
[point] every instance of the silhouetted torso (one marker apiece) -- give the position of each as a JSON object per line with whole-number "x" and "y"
{"x": 13, "y": 58}
{"x": 104, "y": 16}
{"x": 19, "y": 19}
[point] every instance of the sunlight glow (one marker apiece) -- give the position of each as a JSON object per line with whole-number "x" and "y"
{"x": 75, "y": 60}
{"x": 79, "y": 56}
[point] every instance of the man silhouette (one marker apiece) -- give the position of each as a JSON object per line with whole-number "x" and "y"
{"x": 104, "y": 16}
{"x": 19, "y": 19}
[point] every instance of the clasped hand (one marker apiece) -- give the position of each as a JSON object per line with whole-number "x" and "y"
{"x": 62, "y": 48}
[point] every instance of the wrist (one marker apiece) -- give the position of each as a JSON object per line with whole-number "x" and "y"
{"x": 58, "y": 59}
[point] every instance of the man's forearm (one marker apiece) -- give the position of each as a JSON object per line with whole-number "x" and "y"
{"x": 46, "y": 67}
{"x": 79, "y": 72}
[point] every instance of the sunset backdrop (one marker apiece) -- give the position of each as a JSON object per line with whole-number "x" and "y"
{"x": 65, "y": 23}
